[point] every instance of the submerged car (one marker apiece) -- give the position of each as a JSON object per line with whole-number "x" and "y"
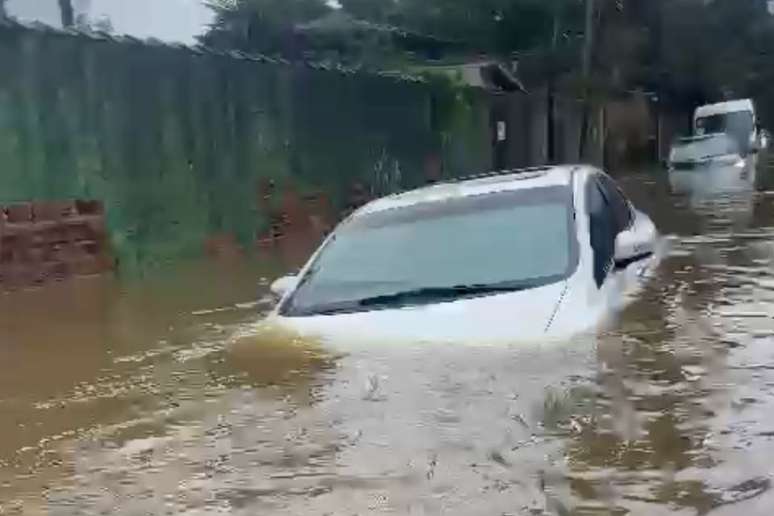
{"x": 695, "y": 152}
{"x": 510, "y": 256}
{"x": 710, "y": 164}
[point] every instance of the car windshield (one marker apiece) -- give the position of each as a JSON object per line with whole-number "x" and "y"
{"x": 696, "y": 150}
{"x": 440, "y": 251}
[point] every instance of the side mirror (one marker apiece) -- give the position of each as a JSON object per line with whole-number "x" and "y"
{"x": 284, "y": 285}
{"x": 755, "y": 143}
{"x": 633, "y": 245}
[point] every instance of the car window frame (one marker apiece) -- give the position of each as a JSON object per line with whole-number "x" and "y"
{"x": 603, "y": 265}
{"x": 611, "y": 190}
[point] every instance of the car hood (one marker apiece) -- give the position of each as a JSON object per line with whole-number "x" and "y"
{"x": 712, "y": 181}
{"x": 513, "y": 316}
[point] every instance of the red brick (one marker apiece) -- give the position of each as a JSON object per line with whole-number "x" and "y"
{"x": 87, "y": 266}
{"x": 55, "y": 271}
{"x": 89, "y": 207}
{"x": 53, "y": 210}
{"x": 46, "y": 241}
{"x": 16, "y": 276}
{"x": 19, "y": 212}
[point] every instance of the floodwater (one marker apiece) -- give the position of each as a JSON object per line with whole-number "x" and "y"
{"x": 155, "y": 396}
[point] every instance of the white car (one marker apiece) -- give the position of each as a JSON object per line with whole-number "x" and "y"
{"x": 513, "y": 256}
{"x": 693, "y": 152}
{"x": 710, "y": 164}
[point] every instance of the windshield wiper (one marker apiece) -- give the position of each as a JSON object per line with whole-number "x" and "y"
{"x": 439, "y": 293}
{"x": 412, "y": 297}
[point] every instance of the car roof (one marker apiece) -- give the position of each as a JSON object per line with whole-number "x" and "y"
{"x": 725, "y": 107}
{"x": 478, "y": 185}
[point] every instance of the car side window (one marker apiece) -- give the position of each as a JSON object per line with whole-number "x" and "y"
{"x": 620, "y": 206}
{"x": 603, "y": 229}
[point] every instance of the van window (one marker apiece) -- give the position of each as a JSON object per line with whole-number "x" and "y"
{"x": 738, "y": 124}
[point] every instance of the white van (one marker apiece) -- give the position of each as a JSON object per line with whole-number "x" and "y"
{"x": 736, "y": 118}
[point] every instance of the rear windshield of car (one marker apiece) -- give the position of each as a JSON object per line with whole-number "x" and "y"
{"x": 520, "y": 239}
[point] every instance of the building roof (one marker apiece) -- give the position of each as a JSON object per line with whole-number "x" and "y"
{"x": 481, "y": 73}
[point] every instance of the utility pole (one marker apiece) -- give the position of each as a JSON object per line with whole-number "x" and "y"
{"x": 3, "y": 14}
{"x": 660, "y": 93}
{"x": 588, "y": 51}
{"x": 551, "y": 93}
{"x": 588, "y": 45}
{"x": 66, "y": 11}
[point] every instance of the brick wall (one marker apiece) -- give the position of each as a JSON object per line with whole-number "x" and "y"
{"x": 48, "y": 241}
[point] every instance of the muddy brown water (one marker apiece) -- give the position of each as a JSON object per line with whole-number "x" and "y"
{"x": 154, "y": 396}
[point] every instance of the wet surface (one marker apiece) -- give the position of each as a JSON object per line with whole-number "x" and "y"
{"x": 155, "y": 396}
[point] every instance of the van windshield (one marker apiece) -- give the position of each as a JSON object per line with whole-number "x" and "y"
{"x": 739, "y": 124}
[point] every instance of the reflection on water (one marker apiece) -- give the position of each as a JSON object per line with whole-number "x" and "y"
{"x": 161, "y": 395}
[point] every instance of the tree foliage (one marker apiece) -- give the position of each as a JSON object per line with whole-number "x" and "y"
{"x": 264, "y": 26}
{"x": 381, "y": 11}
{"x": 495, "y": 26}
{"x": 686, "y": 51}
{"x": 491, "y": 26}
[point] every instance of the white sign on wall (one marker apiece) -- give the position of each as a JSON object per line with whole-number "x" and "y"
{"x": 502, "y": 131}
